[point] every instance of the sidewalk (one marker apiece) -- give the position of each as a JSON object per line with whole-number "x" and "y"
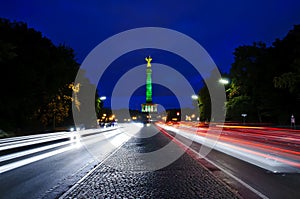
{"x": 125, "y": 175}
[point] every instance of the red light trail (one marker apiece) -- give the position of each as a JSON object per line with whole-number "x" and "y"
{"x": 271, "y": 147}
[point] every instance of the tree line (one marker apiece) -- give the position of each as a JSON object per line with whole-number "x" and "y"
{"x": 36, "y": 79}
{"x": 264, "y": 82}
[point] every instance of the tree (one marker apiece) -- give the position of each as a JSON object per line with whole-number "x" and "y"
{"x": 287, "y": 56}
{"x": 289, "y": 51}
{"x": 237, "y": 106}
{"x": 266, "y": 79}
{"x": 33, "y": 70}
{"x": 57, "y": 109}
{"x": 205, "y": 101}
{"x": 205, "y": 108}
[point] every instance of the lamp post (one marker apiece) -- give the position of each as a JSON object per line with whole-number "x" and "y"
{"x": 224, "y": 81}
{"x": 244, "y": 115}
{"x": 196, "y": 97}
{"x": 99, "y": 107}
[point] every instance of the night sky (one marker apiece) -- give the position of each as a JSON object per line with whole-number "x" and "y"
{"x": 219, "y": 26}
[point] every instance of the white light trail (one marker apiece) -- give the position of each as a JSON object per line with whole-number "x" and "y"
{"x": 32, "y": 151}
{"x": 20, "y": 163}
{"x": 271, "y": 162}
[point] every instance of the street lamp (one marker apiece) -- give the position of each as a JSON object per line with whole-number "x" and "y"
{"x": 99, "y": 109}
{"x": 224, "y": 81}
{"x": 103, "y": 98}
{"x": 244, "y": 115}
{"x": 195, "y": 97}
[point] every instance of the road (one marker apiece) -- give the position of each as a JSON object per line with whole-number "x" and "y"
{"x": 150, "y": 166}
{"x": 274, "y": 179}
{"x": 51, "y": 176}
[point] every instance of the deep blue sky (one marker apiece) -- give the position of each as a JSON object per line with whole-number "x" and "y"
{"x": 219, "y": 26}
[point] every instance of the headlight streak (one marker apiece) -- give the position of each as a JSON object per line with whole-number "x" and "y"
{"x": 74, "y": 142}
{"x": 20, "y": 163}
{"x": 260, "y": 150}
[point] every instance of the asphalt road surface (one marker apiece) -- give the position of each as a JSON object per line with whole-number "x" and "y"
{"x": 52, "y": 176}
{"x": 150, "y": 165}
{"x": 271, "y": 185}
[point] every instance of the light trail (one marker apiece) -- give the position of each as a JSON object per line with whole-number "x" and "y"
{"x": 24, "y": 162}
{"x": 259, "y": 146}
{"x": 22, "y": 143}
{"x": 75, "y": 141}
{"x": 192, "y": 152}
{"x": 32, "y": 151}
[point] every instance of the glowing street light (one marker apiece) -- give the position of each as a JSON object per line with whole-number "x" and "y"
{"x": 195, "y": 97}
{"x": 103, "y": 98}
{"x": 224, "y": 81}
{"x": 199, "y": 104}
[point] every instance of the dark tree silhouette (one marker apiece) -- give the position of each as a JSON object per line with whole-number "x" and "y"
{"x": 265, "y": 80}
{"x": 33, "y": 70}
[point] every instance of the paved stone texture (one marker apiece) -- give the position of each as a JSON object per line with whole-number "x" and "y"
{"x": 125, "y": 175}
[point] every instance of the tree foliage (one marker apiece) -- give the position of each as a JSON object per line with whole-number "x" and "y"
{"x": 289, "y": 80}
{"x": 33, "y": 70}
{"x": 57, "y": 108}
{"x": 265, "y": 80}
{"x": 205, "y": 104}
{"x": 289, "y": 51}
{"x": 205, "y": 101}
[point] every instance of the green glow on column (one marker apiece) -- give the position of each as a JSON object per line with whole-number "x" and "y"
{"x": 149, "y": 86}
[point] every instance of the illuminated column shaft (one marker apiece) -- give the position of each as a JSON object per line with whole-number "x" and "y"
{"x": 149, "y": 85}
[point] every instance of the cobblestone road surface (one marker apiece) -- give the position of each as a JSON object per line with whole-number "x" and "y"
{"x": 126, "y": 175}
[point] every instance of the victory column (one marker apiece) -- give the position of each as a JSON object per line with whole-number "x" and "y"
{"x": 149, "y": 106}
